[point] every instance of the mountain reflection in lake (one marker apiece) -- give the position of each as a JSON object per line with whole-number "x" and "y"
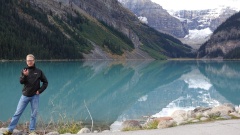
{"x": 114, "y": 91}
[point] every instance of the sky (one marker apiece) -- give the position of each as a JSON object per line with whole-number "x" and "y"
{"x": 194, "y": 4}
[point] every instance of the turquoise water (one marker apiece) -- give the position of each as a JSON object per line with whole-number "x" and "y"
{"x": 114, "y": 91}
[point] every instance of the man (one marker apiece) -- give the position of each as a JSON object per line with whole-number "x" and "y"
{"x": 30, "y": 78}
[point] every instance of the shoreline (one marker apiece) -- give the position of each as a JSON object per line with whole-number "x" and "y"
{"x": 171, "y": 130}
{"x": 199, "y": 115}
{"x": 171, "y": 59}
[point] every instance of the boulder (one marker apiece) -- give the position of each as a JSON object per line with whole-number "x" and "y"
{"x": 235, "y": 114}
{"x": 213, "y": 114}
{"x": 223, "y": 109}
{"x": 195, "y": 121}
{"x": 52, "y": 133}
{"x": 203, "y": 118}
{"x": 225, "y": 117}
{"x": 15, "y": 131}
{"x": 179, "y": 116}
{"x": 230, "y": 105}
{"x": 106, "y": 131}
{"x": 201, "y": 109}
{"x": 84, "y": 130}
{"x": 237, "y": 109}
{"x": 163, "y": 118}
{"x": 131, "y": 124}
{"x": 166, "y": 124}
{"x": 3, "y": 130}
{"x": 191, "y": 114}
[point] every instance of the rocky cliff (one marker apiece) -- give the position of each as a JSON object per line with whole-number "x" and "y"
{"x": 156, "y": 17}
{"x": 201, "y": 19}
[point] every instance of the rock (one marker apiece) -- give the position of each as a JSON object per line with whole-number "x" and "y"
{"x": 223, "y": 109}
{"x": 237, "y": 109}
{"x": 191, "y": 119}
{"x": 198, "y": 114}
{"x": 3, "y": 130}
{"x": 195, "y": 121}
{"x": 235, "y": 114}
{"x": 179, "y": 116}
{"x": 201, "y": 109}
{"x": 214, "y": 114}
{"x": 106, "y": 131}
{"x": 53, "y": 133}
{"x": 15, "y": 131}
{"x": 206, "y": 113}
{"x": 157, "y": 17}
{"x": 84, "y": 130}
{"x": 163, "y": 118}
{"x": 166, "y": 124}
{"x": 66, "y": 134}
{"x": 225, "y": 117}
{"x": 131, "y": 124}
{"x": 229, "y": 105}
{"x": 182, "y": 123}
{"x": 203, "y": 118}
{"x": 191, "y": 114}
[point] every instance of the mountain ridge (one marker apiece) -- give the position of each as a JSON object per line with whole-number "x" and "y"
{"x": 92, "y": 31}
{"x": 196, "y": 25}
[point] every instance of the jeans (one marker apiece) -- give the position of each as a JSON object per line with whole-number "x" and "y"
{"x": 22, "y": 104}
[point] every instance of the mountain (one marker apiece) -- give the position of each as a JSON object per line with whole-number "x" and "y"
{"x": 192, "y": 27}
{"x": 202, "y": 23}
{"x": 156, "y": 17}
{"x": 224, "y": 42}
{"x": 86, "y": 29}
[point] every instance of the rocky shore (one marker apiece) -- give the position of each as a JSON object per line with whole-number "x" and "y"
{"x": 179, "y": 117}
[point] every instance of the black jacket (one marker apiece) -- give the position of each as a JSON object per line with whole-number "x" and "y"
{"x": 32, "y": 81}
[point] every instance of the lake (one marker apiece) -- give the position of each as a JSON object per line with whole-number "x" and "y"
{"x": 114, "y": 91}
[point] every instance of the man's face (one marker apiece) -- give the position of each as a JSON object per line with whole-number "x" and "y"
{"x": 30, "y": 61}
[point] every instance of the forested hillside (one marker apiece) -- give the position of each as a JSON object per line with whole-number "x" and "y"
{"x": 52, "y": 29}
{"x": 19, "y": 37}
{"x": 225, "y": 41}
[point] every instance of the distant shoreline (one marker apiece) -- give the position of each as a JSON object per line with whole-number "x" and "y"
{"x": 172, "y": 59}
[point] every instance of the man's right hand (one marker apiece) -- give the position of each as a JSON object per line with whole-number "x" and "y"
{"x": 25, "y": 72}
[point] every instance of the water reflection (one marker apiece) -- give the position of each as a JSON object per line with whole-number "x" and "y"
{"x": 225, "y": 77}
{"x": 114, "y": 91}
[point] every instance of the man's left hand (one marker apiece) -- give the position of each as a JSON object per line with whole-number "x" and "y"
{"x": 37, "y": 92}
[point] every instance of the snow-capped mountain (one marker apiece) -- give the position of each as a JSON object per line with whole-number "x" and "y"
{"x": 201, "y": 23}
{"x": 192, "y": 27}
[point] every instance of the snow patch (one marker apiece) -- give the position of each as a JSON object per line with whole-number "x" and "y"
{"x": 199, "y": 34}
{"x": 143, "y": 19}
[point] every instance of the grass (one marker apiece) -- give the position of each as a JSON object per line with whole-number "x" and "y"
{"x": 151, "y": 125}
{"x": 69, "y": 127}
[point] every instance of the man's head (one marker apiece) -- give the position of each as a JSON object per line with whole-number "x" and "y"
{"x": 30, "y": 59}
